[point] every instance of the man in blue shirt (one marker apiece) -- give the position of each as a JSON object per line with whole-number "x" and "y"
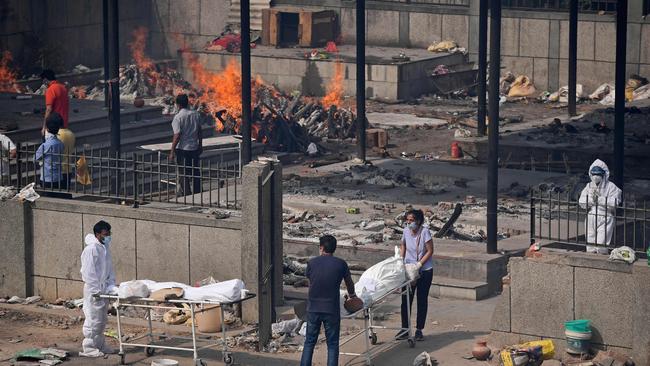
{"x": 325, "y": 274}
{"x": 51, "y": 153}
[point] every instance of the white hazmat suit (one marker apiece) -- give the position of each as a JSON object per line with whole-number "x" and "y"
{"x": 99, "y": 278}
{"x": 601, "y": 201}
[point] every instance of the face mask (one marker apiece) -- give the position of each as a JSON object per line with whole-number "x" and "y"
{"x": 107, "y": 240}
{"x": 413, "y": 226}
{"x": 48, "y": 134}
{"x": 596, "y": 179}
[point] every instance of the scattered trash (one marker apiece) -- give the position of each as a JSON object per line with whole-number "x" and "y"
{"x": 112, "y": 333}
{"x": 423, "y": 359}
{"x": 444, "y": 46}
{"x": 45, "y": 356}
{"x": 624, "y": 253}
{"x": 352, "y": 210}
{"x": 32, "y": 300}
{"x": 28, "y": 193}
{"x": 287, "y": 327}
{"x": 7, "y": 193}
{"x": 522, "y": 87}
{"x": 562, "y": 95}
{"x": 312, "y": 149}
{"x": 440, "y": 70}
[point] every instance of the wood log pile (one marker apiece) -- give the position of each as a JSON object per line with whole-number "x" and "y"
{"x": 291, "y": 122}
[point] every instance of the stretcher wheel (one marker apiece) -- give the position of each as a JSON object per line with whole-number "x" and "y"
{"x": 122, "y": 359}
{"x": 149, "y": 351}
{"x": 411, "y": 342}
{"x": 227, "y": 359}
{"x": 373, "y": 338}
{"x": 199, "y": 362}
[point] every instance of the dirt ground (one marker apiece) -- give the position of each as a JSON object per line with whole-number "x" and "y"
{"x": 452, "y": 328}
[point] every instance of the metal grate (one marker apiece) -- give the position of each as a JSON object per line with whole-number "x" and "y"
{"x": 555, "y": 217}
{"x": 561, "y": 5}
{"x": 133, "y": 178}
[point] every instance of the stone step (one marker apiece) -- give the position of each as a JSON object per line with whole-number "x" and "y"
{"x": 452, "y": 288}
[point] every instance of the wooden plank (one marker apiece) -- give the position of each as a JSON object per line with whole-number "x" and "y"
{"x": 274, "y": 27}
{"x": 305, "y": 28}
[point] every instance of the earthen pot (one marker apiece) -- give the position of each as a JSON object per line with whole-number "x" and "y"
{"x": 481, "y": 351}
{"x": 138, "y": 102}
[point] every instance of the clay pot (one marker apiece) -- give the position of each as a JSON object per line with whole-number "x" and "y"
{"x": 481, "y": 351}
{"x": 138, "y": 102}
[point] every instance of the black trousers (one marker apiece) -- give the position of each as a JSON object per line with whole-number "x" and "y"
{"x": 421, "y": 290}
{"x": 191, "y": 173}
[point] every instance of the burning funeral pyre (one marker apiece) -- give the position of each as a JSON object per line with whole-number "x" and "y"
{"x": 285, "y": 121}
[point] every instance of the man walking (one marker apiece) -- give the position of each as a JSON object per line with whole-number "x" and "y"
{"x": 99, "y": 278}
{"x": 187, "y": 143}
{"x": 56, "y": 98}
{"x": 325, "y": 273}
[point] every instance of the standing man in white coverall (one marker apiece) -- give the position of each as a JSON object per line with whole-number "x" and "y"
{"x": 99, "y": 278}
{"x": 600, "y": 197}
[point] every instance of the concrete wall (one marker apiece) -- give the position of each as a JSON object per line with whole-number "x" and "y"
{"x": 548, "y": 291}
{"x": 63, "y": 33}
{"x": 147, "y": 244}
{"x": 185, "y": 24}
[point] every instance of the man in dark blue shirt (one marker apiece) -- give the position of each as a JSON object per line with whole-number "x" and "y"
{"x": 325, "y": 274}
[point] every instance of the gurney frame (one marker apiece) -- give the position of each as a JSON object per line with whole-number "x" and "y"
{"x": 150, "y": 347}
{"x": 368, "y": 327}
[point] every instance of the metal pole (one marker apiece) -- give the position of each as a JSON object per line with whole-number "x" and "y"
{"x": 361, "y": 80}
{"x": 619, "y": 101}
{"x": 114, "y": 75}
{"x": 493, "y": 133}
{"x": 106, "y": 50}
{"x": 246, "y": 81}
{"x": 482, "y": 65}
{"x": 573, "y": 55}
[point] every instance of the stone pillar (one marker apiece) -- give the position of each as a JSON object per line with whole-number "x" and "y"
{"x": 472, "y": 42}
{"x": 252, "y": 177}
{"x": 278, "y": 245}
{"x": 15, "y": 236}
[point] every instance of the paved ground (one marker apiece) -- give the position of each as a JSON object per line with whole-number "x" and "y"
{"x": 452, "y": 327}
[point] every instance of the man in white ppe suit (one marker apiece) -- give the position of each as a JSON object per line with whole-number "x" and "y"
{"x": 99, "y": 278}
{"x": 600, "y": 197}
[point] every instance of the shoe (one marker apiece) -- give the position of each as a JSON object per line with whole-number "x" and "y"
{"x": 402, "y": 335}
{"x": 418, "y": 335}
{"x": 92, "y": 354}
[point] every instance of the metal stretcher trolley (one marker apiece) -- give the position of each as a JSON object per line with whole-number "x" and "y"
{"x": 194, "y": 306}
{"x": 368, "y": 327}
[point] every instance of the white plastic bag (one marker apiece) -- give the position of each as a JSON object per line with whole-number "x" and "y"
{"x": 28, "y": 193}
{"x": 377, "y": 280}
{"x": 623, "y": 253}
{"x": 133, "y": 289}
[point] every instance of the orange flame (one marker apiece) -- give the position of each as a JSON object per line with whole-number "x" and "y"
{"x": 334, "y": 94}
{"x": 220, "y": 91}
{"x": 137, "y": 47}
{"x": 7, "y": 75}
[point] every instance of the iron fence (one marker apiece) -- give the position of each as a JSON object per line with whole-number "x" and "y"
{"x": 561, "y": 5}
{"x": 556, "y": 217}
{"x": 135, "y": 178}
{"x": 430, "y": 2}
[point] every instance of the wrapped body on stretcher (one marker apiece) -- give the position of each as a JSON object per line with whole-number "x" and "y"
{"x": 227, "y": 291}
{"x": 383, "y": 277}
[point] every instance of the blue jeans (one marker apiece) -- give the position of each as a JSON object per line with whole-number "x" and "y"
{"x": 332, "y": 323}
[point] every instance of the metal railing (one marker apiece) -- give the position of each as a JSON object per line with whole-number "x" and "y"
{"x": 430, "y": 2}
{"x": 134, "y": 178}
{"x": 561, "y": 5}
{"x": 556, "y": 217}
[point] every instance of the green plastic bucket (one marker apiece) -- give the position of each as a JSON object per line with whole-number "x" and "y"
{"x": 578, "y": 326}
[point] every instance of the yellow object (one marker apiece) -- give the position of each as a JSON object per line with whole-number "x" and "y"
{"x": 444, "y": 46}
{"x": 548, "y": 349}
{"x": 176, "y": 316}
{"x": 83, "y": 176}
{"x": 68, "y": 138}
{"x": 522, "y": 87}
{"x": 352, "y": 210}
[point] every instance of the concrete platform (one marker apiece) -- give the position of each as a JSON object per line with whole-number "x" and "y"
{"x": 289, "y": 69}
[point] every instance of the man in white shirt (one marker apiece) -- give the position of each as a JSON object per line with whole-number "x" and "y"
{"x": 187, "y": 144}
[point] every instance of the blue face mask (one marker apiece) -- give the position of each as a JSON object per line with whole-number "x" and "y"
{"x": 413, "y": 226}
{"x": 107, "y": 240}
